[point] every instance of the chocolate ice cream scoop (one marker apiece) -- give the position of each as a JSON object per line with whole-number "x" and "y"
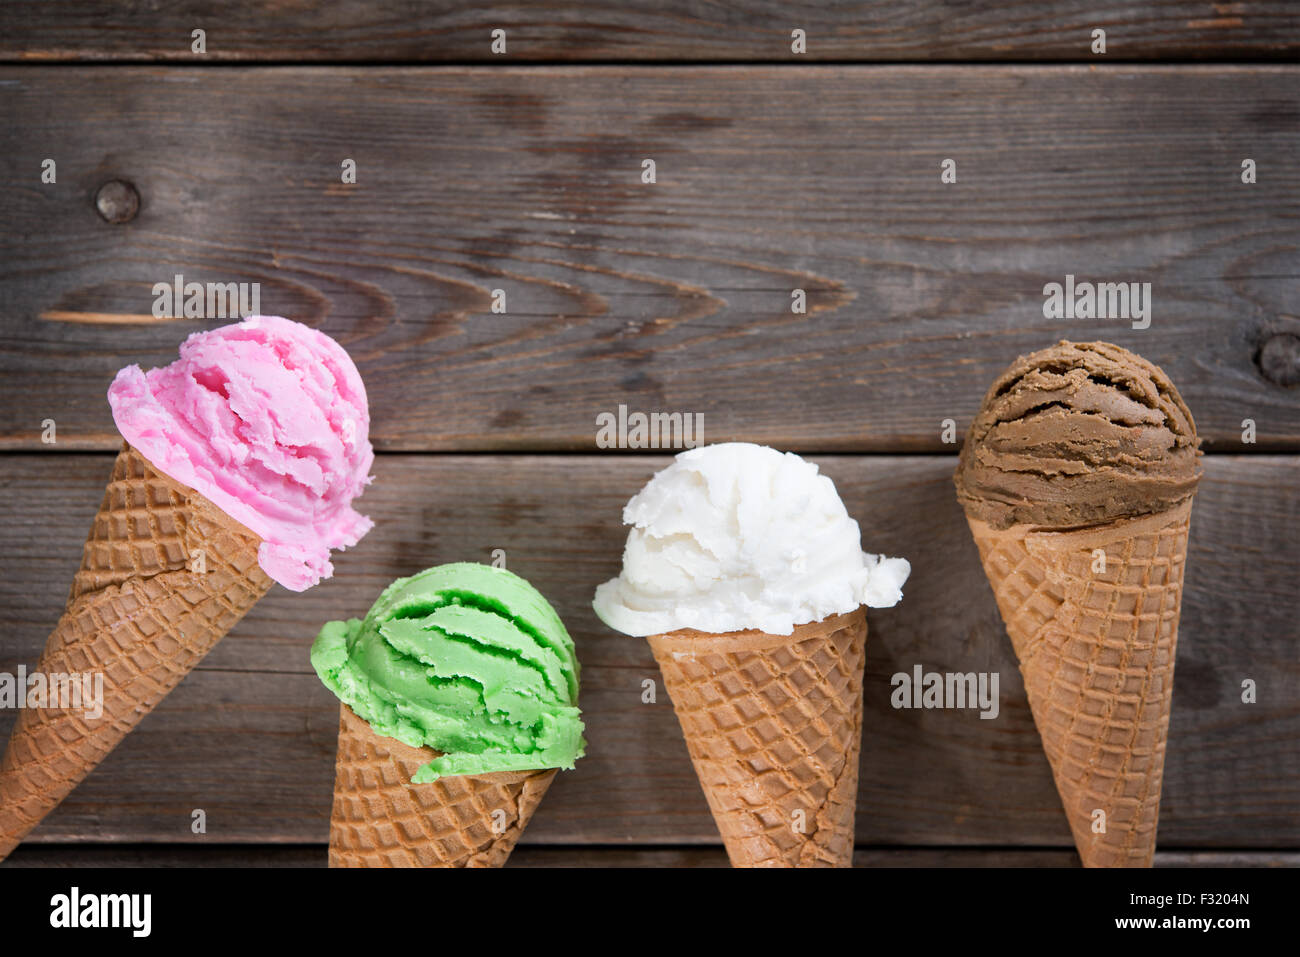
{"x": 1078, "y": 434}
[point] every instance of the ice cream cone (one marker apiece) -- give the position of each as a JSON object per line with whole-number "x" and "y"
{"x": 1077, "y": 478}
{"x": 1093, "y": 616}
{"x": 381, "y": 819}
{"x": 164, "y": 575}
{"x": 773, "y": 724}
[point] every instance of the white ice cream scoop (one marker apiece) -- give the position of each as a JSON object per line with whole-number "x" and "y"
{"x": 738, "y": 536}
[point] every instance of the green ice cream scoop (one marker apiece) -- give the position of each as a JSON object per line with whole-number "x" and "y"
{"x": 466, "y": 659}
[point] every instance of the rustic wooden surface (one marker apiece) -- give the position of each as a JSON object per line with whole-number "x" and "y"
{"x": 249, "y": 737}
{"x": 534, "y": 855}
{"x": 673, "y": 296}
{"x": 774, "y": 172}
{"x": 441, "y": 30}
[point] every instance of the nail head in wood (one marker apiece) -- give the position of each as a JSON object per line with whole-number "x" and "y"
{"x": 1279, "y": 359}
{"x": 117, "y": 201}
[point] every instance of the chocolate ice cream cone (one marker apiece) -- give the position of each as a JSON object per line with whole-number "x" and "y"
{"x": 1077, "y": 480}
{"x": 1093, "y": 617}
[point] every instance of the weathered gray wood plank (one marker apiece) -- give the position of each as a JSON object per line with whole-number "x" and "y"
{"x": 422, "y": 31}
{"x": 250, "y": 736}
{"x": 667, "y": 297}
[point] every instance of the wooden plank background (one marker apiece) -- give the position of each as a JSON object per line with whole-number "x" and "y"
{"x": 249, "y": 737}
{"x": 478, "y": 172}
{"x": 538, "y": 855}
{"x": 430, "y": 31}
{"x": 673, "y": 296}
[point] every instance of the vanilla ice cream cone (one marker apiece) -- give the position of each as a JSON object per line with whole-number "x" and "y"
{"x": 773, "y": 724}
{"x": 746, "y": 574}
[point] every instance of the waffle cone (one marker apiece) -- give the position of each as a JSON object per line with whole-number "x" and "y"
{"x": 1096, "y": 649}
{"x": 381, "y": 819}
{"x": 137, "y": 615}
{"x": 773, "y": 724}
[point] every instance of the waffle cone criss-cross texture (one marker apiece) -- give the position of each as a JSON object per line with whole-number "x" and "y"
{"x": 164, "y": 575}
{"x": 1096, "y": 648}
{"x": 773, "y": 724}
{"x": 381, "y": 819}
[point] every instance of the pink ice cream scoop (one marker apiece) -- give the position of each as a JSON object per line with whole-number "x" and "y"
{"x": 268, "y": 419}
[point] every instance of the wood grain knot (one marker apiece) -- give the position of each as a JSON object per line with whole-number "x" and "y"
{"x": 117, "y": 201}
{"x": 1278, "y": 359}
